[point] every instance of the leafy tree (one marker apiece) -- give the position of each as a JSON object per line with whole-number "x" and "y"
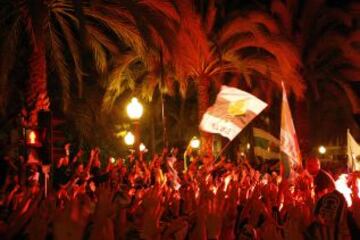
{"x": 51, "y": 32}
{"x": 327, "y": 38}
{"x": 246, "y": 45}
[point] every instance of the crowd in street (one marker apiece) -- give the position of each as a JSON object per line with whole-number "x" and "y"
{"x": 158, "y": 199}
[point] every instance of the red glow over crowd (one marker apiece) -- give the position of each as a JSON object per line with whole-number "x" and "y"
{"x": 157, "y": 199}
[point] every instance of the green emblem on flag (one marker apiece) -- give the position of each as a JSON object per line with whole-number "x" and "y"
{"x": 238, "y": 107}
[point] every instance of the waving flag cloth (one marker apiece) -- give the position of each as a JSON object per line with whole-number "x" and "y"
{"x": 353, "y": 152}
{"x": 290, "y": 152}
{"x": 266, "y": 145}
{"x": 232, "y": 111}
{"x": 267, "y": 149}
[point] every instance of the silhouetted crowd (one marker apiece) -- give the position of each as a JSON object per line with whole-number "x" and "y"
{"x": 209, "y": 198}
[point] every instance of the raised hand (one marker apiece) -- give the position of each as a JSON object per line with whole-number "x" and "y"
{"x": 22, "y": 214}
{"x": 153, "y": 211}
{"x": 269, "y": 231}
{"x": 105, "y": 205}
{"x": 230, "y": 212}
{"x": 177, "y": 227}
{"x": 215, "y": 214}
{"x": 104, "y": 212}
{"x": 70, "y": 222}
{"x": 38, "y": 226}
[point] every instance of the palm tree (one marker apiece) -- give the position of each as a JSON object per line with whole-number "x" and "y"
{"x": 147, "y": 72}
{"x": 326, "y": 37}
{"x": 52, "y": 28}
{"x": 247, "y": 46}
{"x": 130, "y": 67}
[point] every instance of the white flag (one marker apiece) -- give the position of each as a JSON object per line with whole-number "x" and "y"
{"x": 289, "y": 147}
{"x": 353, "y": 152}
{"x": 232, "y": 111}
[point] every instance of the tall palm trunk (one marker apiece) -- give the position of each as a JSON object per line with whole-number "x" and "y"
{"x": 162, "y": 100}
{"x": 36, "y": 93}
{"x": 153, "y": 128}
{"x": 179, "y": 132}
{"x": 203, "y": 103}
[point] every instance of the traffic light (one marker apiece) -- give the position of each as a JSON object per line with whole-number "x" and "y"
{"x": 32, "y": 138}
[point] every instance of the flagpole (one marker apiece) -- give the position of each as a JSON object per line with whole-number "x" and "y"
{"x": 351, "y": 153}
{"x": 222, "y": 150}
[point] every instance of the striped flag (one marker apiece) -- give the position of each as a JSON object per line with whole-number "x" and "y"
{"x": 353, "y": 152}
{"x": 232, "y": 111}
{"x": 290, "y": 152}
{"x": 266, "y": 145}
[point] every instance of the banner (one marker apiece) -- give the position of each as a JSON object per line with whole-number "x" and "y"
{"x": 290, "y": 152}
{"x": 266, "y": 145}
{"x": 232, "y": 111}
{"x": 353, "y": 152}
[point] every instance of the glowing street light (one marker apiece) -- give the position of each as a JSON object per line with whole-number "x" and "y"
{"x": 322, "y": 150}
{"x": 134, "y": 109}
{"x": 195, "y": 143}
{"x": 142, "y": 147}
{"x": 129, "y": 139}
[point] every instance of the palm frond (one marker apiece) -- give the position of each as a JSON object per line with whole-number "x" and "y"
{"x": 151, "y": 81}
{"x": 282, "y": 12}
{"x": 100, "y": 37}
{"x": 235, "y": 28}
{"x": 165, "y": 7}
{"x": 119, "y": 80}
{"x": 99, "y": 55}
{"x": 58, "y": 58}
{"x": 353, "y": 97}
{"x": 332, "y": 16}
{"x": 210, "y": 16}
{"x": 262, "y": 18}
{"x": 8, "y": 50}
{"x": 74, "y": 50}
{"x": 124, "y": 28}
{"x": 193, "y": 48}
{"x": 285, "y": 54}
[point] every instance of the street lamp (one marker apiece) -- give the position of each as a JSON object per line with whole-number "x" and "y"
{"x": 129, "y": 139}
{"x": 142, "y": 147}
{"x": 322, "y": 150}
{"x": 195, "y": 143}
{"x": 135, "y": 110}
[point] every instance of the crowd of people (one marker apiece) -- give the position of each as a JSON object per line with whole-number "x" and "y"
{"x": 160, "y": 199}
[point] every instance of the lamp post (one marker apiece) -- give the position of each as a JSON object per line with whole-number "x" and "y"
{"x": 129, "y": 139}
{"x": 322, "y": 150}
{"x": 135, "y": 110}
{"x": 193, "y": 145}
